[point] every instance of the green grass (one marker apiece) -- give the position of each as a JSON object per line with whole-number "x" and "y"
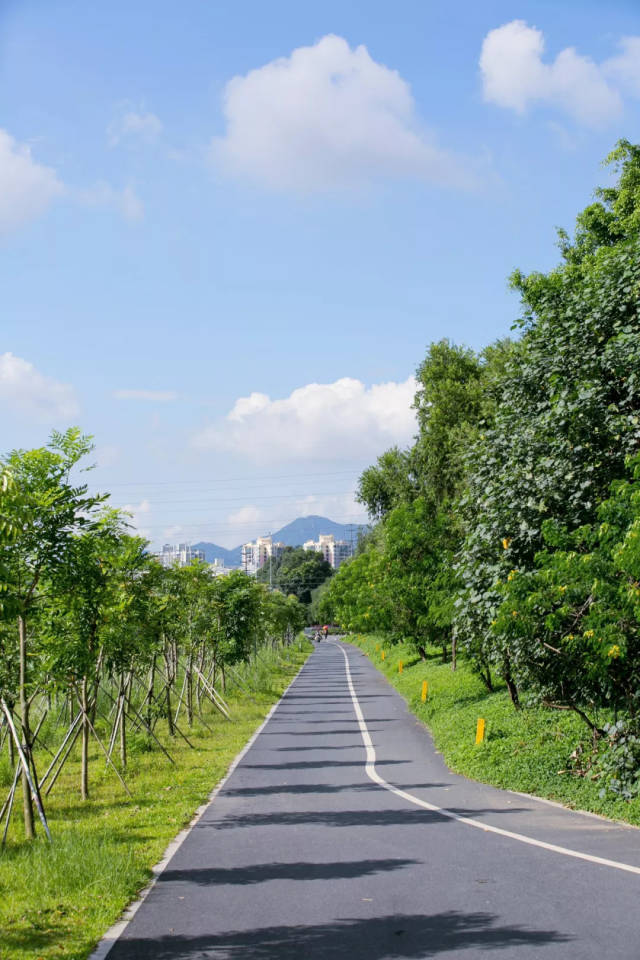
{"x": 527, "y": 750}
{"x": 56, "y": 900}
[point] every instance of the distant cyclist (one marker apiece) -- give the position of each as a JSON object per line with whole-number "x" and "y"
{"x": 325, "y": 631}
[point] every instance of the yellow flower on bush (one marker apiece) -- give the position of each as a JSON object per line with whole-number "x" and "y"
{"x": 588, "y": 634}
{"x": 512, "y": 575}
{"x": 562, "y": 589}
{"x": 505, "y": 543}
{"x": 514, "y": 613}
{"x": 614, "y": 651}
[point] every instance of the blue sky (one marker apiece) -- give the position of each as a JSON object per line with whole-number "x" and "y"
{"x": 230, "y": 285}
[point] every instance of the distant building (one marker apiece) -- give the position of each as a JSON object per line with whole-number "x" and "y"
{"x": 218, "y": 568}
{"x": 335, "y": 552}
{"x": 180, "y": 554}
{"x": 256, "y": 553}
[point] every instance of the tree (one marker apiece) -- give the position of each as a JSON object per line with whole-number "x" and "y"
{"x": 569, "y": 410}
{"x": 574, "y": 620}
{"x": 297, "y": 572}
{"x": 42, "y": 511}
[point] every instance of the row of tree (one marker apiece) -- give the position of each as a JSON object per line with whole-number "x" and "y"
{"x": 97, "y": 639}
{"x": 510, "y": 531}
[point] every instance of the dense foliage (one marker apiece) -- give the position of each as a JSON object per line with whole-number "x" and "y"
{"x": 507, "y": 532}
{"x": 89, "y": 621}
{"x": 296, "y": 572}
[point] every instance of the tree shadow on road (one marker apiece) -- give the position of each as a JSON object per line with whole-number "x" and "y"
{"x": 263, "y": 872}
{"x": 274, "y": 789}
{"x": 378, "y": 938}
{"x": 346, "y": 818}
{"x": 314, "y": 764}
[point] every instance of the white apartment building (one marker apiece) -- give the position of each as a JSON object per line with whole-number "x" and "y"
{"x": 180, "y": 554}
{"x": 333, "y": 551}
{"x": 256, "y": 553}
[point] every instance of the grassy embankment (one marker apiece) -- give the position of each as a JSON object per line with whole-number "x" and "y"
{"x": 57, "y": 900}
{"x": 526, "y": 750}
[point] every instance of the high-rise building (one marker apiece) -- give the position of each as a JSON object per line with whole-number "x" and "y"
{"x": 335, "y": 552}
{"x": 178, "y": 554}
{"x": 256, "y": 553}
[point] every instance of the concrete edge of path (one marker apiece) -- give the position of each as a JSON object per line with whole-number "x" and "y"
{"x": 115, "y": 931}
{"x": 487, "y": 783}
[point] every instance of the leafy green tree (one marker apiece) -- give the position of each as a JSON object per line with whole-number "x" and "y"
{"x": 42, "y": 511}
{"x": 568, "y": 415}
{"x": 573, "y": 621}
{"x": 83, "y": 593}
{"x": 297, "y": 572}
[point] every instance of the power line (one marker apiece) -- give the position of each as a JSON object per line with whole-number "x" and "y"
{"x": 286, "y": 476}
{"x": 214, "y": 525}
{"x": 275, "y": 496}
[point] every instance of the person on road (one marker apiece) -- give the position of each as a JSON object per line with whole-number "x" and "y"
{"x": 325, "y": 631}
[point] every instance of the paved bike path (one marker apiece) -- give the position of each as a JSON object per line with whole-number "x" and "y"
{"x": 301, "y": 855}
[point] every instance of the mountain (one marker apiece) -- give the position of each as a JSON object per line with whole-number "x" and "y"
{"x": 293, "y": 534}
{"x": 310, "y": 528}
{"x": 212, "y": 551}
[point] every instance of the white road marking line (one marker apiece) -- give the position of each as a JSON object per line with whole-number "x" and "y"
{"x": 373, "y": 774}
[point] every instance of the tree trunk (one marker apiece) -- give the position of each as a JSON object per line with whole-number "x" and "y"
{"x": 422, "y": 652}
{"x": 454, "y": 652}
{"x": 27, "y": 800}
{"x": 190, "y": 690}
{"x": 11, "y": 747}
{"x": 123, "y": 723}
{"x": 84, "y": 765}
{"x": 485, "y": 675}
{"x": 167, "y": 688}
{"x": 149, "y": 698}
{"x": 511, "y": 686}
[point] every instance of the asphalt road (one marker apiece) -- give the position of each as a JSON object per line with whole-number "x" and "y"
{"x": 303, "y": 855}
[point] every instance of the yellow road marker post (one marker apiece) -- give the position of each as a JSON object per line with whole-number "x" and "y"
{"x": 425, "y": 690}
{"x": 400, "y": 666}
{"x": 383, "y": 654}
{"x": 480, "y": 730}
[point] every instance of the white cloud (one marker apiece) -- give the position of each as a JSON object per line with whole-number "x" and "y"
{"x": 515, "y": 76}
{"x": 625, "y": 68}
{"x": 140, "y": 515}
{"x": 327, "y": 116}
{"x": 341, "y": 420}
{"x": 24, "y": 391}
{"x": 162, "y": 396}
{"x": 107, "y": 455}
{"x": 26, "y": 187}
{"x": 134, "y": 125}
{"x": 102, "y": 194}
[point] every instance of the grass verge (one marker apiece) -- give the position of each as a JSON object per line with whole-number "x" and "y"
{"x": 56, "y": 900}
{"x": 526, "y": 751}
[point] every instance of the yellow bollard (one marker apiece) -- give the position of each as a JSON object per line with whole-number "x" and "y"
{"x": 425, "y": 688}
{"x": 382, "y": 654}
{"x": 400, "y": 666}
{"x": 480, "y": 730}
